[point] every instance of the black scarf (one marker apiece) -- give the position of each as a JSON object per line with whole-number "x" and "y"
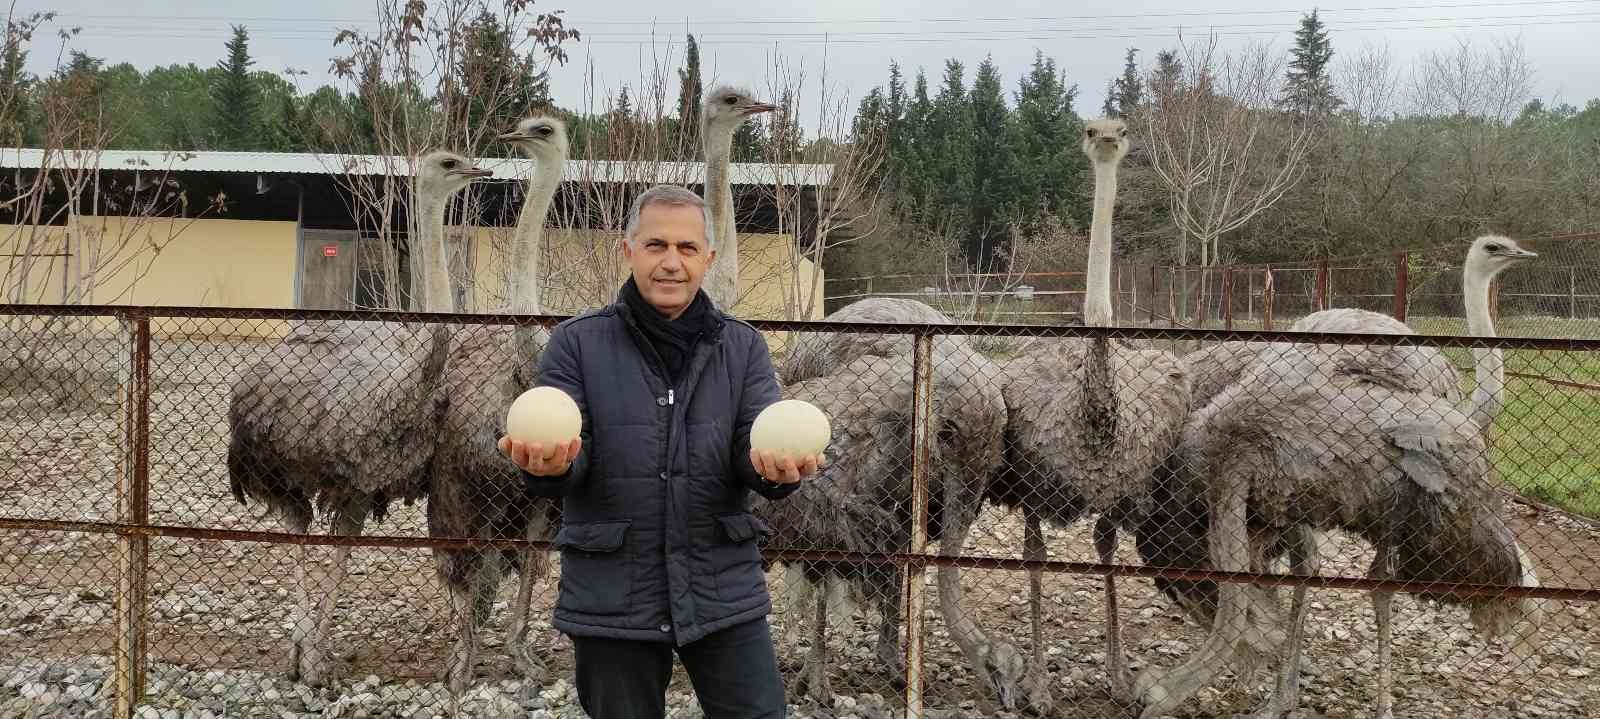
{"x": 674, "y": 340}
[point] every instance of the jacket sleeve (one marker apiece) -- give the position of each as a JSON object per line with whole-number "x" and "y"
{"x": 760, "y": 391}
{"x": 559, "y": 367}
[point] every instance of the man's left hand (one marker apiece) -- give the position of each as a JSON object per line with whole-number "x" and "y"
{"x": 783, "y": 469}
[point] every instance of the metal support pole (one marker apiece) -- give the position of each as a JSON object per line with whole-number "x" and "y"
{"x": 917, "y": 569}
{"x": 133, "y": 493}
{"x": 1322, "y": 286}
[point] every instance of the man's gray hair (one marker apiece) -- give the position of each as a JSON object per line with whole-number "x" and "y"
{"x": 669, "y": 195}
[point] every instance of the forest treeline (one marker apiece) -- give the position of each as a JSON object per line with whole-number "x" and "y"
{"x": 1315, "y": 151}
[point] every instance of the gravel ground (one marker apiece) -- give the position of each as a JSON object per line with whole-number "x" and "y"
{"x": 219, "y": 611}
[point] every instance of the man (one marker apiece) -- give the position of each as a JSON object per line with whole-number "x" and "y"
{"x": 659, "y": 549}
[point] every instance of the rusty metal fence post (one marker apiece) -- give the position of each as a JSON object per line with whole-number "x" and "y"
{"x": 1322, "y": 286}
{"x": 1401, "y": 262}
{"x": 133, "y": 508}
{"x": 1227, "y": 297}
{"x": 1266, "y": 300}
{"x": 916, "y": 569}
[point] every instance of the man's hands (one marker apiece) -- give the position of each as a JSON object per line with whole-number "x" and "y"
{"x": 538, "y": 460}
{"x": 785, "y": 469}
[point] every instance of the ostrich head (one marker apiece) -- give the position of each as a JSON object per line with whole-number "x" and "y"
{"x": 1492, "y": 254}
{"x": 441, "y": 173}
{"x": 1105, "y": 140}
{"x": 541, "y": 137}
{"x": 727, "y": 107}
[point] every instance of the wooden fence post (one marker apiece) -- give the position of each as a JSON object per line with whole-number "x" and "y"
{"x": 1322, "y": 285}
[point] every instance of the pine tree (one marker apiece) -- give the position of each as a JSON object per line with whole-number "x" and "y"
{"x": 1109, "y": 107}
{"x": 992, "y": 200}
{"x": 1047, "y": 163}
{"x": 689, "y": 94}
{"x": 15, "y": 85}
{"x": 1308, "y": 90}
{"x": 238, "y": 111}
{"x": 1130, "y": 88}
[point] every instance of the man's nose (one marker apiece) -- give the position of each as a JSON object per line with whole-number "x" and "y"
{"x": 672, "y": 262}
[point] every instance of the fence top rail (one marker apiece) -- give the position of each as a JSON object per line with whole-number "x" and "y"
{"x": 141, "y": 312}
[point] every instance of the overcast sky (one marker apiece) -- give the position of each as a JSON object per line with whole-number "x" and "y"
{"x": 739, "y": 37}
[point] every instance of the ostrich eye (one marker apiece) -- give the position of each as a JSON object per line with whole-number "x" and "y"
{"x": 729, "y": 100}
{"x": 1492, "y": 247}
{"x": 1090, "y": 131}
{"x": 449, "y": 164}
{"x": 1123, "y": 132}
{"x": 544, "y": 130}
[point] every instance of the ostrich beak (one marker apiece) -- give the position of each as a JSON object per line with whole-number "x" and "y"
{"x": 472, "y": 172}
{"x": 757, "y": 107}
{"x": 513, "y": 136}
{"x": 1522, "y": 254}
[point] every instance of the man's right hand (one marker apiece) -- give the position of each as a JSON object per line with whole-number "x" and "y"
{"x": 538, "y": 460}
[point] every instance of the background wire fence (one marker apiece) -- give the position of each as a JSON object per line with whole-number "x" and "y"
{"x": 134, "y": 582}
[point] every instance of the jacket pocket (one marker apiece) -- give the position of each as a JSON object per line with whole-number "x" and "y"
{"x": 743, "y": 527}
{"x": 595, "y": 576}
{"x": 738, "y": 561}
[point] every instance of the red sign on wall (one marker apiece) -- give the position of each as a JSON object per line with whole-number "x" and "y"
{"x": 330, "y": 250}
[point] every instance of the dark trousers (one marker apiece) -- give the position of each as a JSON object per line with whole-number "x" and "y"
{"x": 734, "y": 672}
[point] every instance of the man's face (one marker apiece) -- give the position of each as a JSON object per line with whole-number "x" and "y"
{"x": 669, "y": 256}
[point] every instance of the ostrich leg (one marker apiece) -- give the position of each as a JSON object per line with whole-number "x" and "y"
{"x": 1033, "y": 549}
{"x": 297, "y": 520}
{"x": 314, "y": 654}
{"x": 471, "y": 601}
{"x": 996, "y": 661}
{"x": 1163, "y": 693}
{"x": 885, "y": 585}
{"x": 813, "y": 679}
{"x": 1105, "y": 545}
{"x": 535, "y": 568}
{"x": 1303, "y": 561}
{"x": 1383, "y": 568}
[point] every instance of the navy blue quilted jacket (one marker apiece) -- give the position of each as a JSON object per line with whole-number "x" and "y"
{"x": 657, "y": 540}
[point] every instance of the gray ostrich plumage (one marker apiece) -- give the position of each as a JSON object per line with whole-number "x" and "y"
{"x": 1088, "y": 421}
{"x": 815, "y": 354}
{"x": 340, "y": 418}
{"x": 477, "y": 492}
{"x": 1309, "y": 439}
{"x": 861, "y": 499}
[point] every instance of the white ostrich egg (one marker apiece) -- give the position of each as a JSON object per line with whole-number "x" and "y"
{"x": 545, "y": 415}
{"x": 793, "y": 426}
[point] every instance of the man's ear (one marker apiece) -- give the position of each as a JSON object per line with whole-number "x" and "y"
{"x": 711, "y": 256}
{"x": 626, "y": 247}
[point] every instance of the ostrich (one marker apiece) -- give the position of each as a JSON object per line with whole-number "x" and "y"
{"x": 725, "y": 110}
{"x": 1414, "y": 368}
{"x": 1307, "y": 440}
{"x": 862, "y": 500}
{"x": 1088, "y": 421}
{"x": 340, "y": 418}
{"x": 475, "y": 492}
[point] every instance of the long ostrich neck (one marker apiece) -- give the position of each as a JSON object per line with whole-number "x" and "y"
{"x": 722, "y": 284}
{"x": 432, "y": 255}
{"x": 1100, "y": 397}
{"x": 432, "y": 262}
{"x": 1489, "y": 369}
{"x": 1097, "y": 297}
{"x": 528, "y": 248}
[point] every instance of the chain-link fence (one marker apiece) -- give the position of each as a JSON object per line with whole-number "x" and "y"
{"x": 288, "y": 513}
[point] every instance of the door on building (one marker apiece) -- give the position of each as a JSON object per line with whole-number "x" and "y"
{"x": 327, "y": 269}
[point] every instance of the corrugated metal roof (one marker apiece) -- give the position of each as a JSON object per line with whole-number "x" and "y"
{"x": 744, "y": 173}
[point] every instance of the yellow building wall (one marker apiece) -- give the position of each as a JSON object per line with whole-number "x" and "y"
{"x": 165, "y": 261}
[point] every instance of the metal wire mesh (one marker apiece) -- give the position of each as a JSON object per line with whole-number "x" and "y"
{"x": 170, "y": 544}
